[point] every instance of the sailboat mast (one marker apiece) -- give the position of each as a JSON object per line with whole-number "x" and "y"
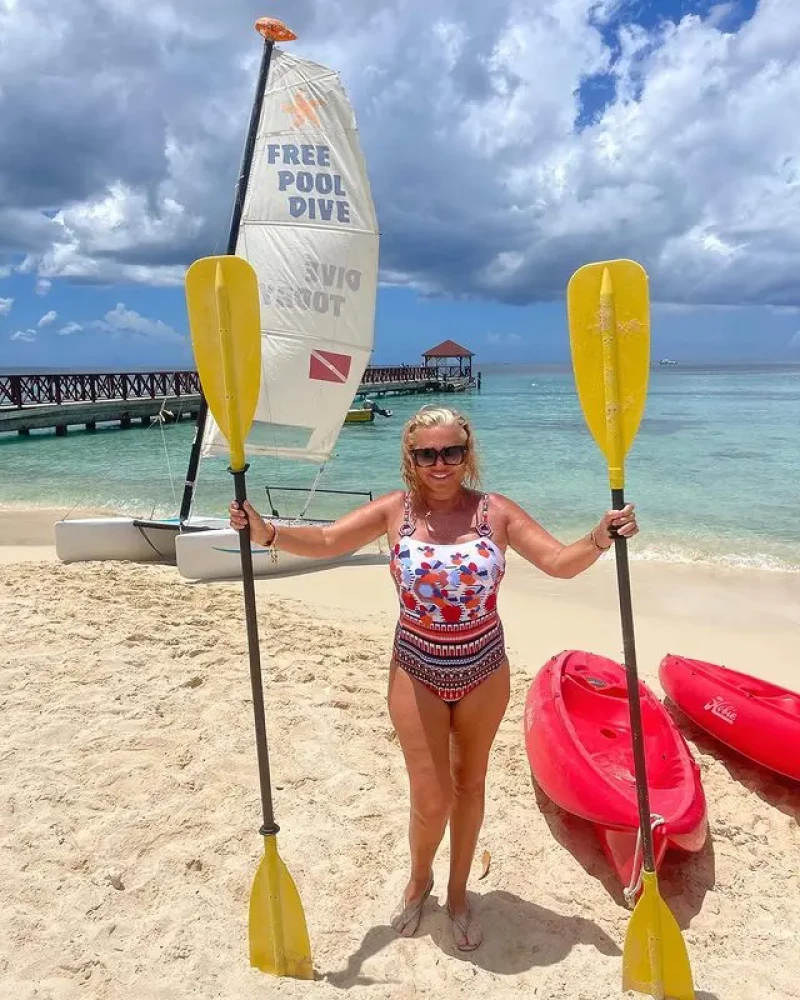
{"x": 272, "y": 30}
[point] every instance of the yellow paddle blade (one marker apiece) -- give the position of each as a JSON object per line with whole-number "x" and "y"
{"x": 655, "y": 961}
{"x": 224, "y": 318}
{"x": 279, "y": 942}
{"x": 608, "y": 309}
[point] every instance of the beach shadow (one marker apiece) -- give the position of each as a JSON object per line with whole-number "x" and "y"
{"x": 779, "y": 792}
{"x": 577, "y": 836}
{"x": 374, "y": 941}
{"x": 532, "y": 936}
{"x": 683, "y": 878}
{"x": 519, "y": 936}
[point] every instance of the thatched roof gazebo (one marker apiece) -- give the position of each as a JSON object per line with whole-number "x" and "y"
{"x": 460, "y": 359}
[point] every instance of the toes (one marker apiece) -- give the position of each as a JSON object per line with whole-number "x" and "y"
{"x": 467, "y": 932}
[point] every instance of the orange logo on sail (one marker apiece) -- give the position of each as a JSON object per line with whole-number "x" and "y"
{"x": 303, "y": 109}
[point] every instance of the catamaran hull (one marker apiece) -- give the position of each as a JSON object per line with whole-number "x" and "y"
{"x": 124, "y": 539}
{"x": 115, "y": 538}
{"x": 214, "y": 555}
{"x": 207, "y": 549}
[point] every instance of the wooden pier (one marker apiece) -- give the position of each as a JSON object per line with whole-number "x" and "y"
{"x": 169, "y": 409}
{"x": 58, "y": 401}
{"x": 402, "y": 380}
{"x": 44, "y": 401}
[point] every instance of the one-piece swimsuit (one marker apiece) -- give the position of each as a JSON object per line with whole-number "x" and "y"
{"x": 449, "y": 635}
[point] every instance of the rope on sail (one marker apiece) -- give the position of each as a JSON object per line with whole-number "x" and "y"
{"x": 312, "y": 491}
{"x": 160, "y": 420}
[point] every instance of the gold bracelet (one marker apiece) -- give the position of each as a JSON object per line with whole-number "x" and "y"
{"x": 599, "y": 547}
{"x": 273, "y": 552}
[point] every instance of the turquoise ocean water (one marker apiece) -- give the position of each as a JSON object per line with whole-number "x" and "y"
{"x": 714, "y": 471}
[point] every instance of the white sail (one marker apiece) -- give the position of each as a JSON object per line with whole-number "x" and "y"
{"x": 310, "y": 231}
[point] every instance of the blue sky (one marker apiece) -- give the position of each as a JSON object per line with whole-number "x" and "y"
{"x": 545, "y": 133}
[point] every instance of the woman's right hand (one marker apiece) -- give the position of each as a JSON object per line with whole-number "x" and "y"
{"x": 259, "y": 529}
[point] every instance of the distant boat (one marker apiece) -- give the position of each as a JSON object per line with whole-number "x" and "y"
{"x": 357, "y": 416}
{"x": 366, "y": 413}
{"x": 667, "y": 363}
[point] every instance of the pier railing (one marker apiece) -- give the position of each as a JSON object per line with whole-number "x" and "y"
{"x": 396, "y": 373}
{"x": 19, "y": 391}
{"x": 449, "y": 371}
{"x": 415, "y": 373}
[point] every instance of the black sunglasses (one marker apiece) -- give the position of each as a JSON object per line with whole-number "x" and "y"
{"x": 453, "y": 454}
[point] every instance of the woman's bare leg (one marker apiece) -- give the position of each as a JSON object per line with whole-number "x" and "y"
{"x": 475, "y": 722}
{"x": 422, "y": 723}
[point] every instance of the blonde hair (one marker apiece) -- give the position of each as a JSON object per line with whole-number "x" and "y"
{"x": 433, "y": 415}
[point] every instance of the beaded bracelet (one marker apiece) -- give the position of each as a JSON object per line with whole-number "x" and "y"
{"x": 271, "y": 543}
{"x": 600, "y": 548}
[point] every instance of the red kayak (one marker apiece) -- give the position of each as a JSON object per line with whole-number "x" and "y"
{"x": 759, "y": 720}
{"x": 578, "y": 738}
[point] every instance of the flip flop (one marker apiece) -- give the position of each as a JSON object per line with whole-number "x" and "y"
{"x": 467, "y": 932}
{"x": 405, "y": 919}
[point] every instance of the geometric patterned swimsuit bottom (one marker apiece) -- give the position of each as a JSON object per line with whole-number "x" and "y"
{"x": 449, "y": 635}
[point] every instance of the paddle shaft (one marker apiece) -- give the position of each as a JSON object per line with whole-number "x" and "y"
{"x": 254, "y": 649}
{"x": 629, "y": 649}
{"x": 233, "y": 238}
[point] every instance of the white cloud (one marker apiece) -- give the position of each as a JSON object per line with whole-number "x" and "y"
{"x": 719, "y": 14}
{"x": 69, "y": 329}
{"x": 5, "y": 306}
{"x": 48, "y": 319}
{"x": 27, "y": 335}
{"x": 43, "y": 286}
{"x": 121, "y": 222}
{"x": 123, "y": 321}
{"x": 488, "y": 181}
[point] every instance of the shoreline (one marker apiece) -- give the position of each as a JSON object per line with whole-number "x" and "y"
{"x": 33, "y": 525}
{"x": 675, "y": 604}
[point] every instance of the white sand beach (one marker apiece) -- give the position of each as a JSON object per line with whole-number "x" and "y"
{"x": 129, "y": 802}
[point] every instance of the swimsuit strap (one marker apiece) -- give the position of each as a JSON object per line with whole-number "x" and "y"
{"x": 484, "y": 528}
{"x": 408, "y": 527}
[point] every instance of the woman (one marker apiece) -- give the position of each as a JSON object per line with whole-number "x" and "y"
{"x": 449, "y": 674}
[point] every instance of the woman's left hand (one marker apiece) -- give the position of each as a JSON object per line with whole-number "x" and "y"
{"x": 623, "y": 522}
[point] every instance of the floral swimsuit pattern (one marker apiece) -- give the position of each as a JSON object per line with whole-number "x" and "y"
{"x": 449, "y": 635}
